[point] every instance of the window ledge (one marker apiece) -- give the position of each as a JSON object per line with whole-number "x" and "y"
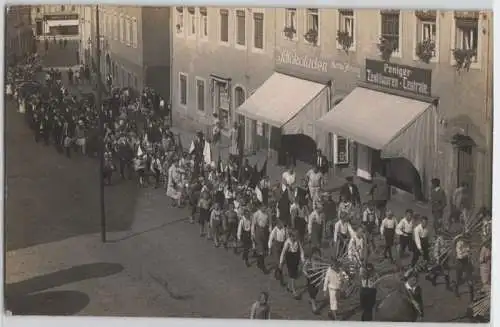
{"x": 397, "y": 54}
{"x": 257, "y": 50}
{"x": 474, "y": 65}
{"x": 192, "y": 36}
{"x": 240, "y": 47}
{"x": 434, "y": 60}
{"x": 224, "y": 43}
{"x": 203, "y": 38}
{"x": 351, "y": 49}
{"x": 180, "y": 34}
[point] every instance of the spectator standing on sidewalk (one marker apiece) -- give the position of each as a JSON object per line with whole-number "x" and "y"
{"x": 261, "y": 309}
{"x": 438, "y": 203}
{"x": 380, "y": 193}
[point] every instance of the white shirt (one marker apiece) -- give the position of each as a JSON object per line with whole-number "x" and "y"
{"x": 288, "y": 179}
{"x": 278, "y": 235}
{"x": 244, "y": 225}
{"x": 369, "y": 216}
{"x": 333, "y": 280}
{"x": 387, "y": 223}
{"x": 355, "y": 249}
{"x": 342, "y": 227}
{"x": 314, "y": 179}
{"x": 418, "y": 233}
{"x": 314, "y": 217}
{"x": 404, "y": 227}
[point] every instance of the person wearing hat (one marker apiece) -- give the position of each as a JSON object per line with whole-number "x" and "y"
{"x": 332, "y": 285}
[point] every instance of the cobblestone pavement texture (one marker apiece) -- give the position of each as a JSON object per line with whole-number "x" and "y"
{"x": 154, "y": 263}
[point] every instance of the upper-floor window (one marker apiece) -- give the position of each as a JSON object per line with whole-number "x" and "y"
{"x": 73, "y": 8}
{"x": 426, "y": 32}
{"x": 258, "y": 30}
{"x": 345, "y": 32}
{"x": 203, "y": 23}
{"x": 134, "y": 32}
{"x": 240, "y": 27}
{"x": 312, "y": 26}
{"x": 123, "y": 27}
{"x": 183, "y": 89}
{"x": 179, "y": 20}
{"x": 128, "y": 31}
{"x": 38, "y": 10}
{"x": 224, "y": 26}
{"x": 200, "y": 94}
{"x": 63, "y": 8}
{"x": 290, "y": 29}
{"x": 467, "y": 32}
{"x": 390, "y": 28}
{"x": 191, "y": 21}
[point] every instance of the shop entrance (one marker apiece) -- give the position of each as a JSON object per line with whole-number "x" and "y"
{"x": 464, "y": 146}
{"x": 299, "y": 147}
{"x": 401, "y": 174}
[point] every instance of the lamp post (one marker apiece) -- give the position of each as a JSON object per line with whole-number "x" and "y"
{"x": 101, "y": 127}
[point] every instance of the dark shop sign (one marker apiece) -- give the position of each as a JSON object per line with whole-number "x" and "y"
{"x": 399, "y": 77}
{"x": 61, "y": 17}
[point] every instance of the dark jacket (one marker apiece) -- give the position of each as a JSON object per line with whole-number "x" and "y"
{"x": 438, "y": 200}
{"x": 353, "y": 197}
{"x": 324, "y": 165}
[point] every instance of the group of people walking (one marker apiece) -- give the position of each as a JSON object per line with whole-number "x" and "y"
{"x": 289, "y": 226}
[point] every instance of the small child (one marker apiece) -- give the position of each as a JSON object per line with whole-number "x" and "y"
{"x": 216, "y": 223}
{"x": 387, "y": 231}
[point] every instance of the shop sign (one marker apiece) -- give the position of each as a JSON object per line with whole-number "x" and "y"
{"x": 399, "y": 77}
{"x": 224, "y": 97}
{"x": 292, "y": 58}
{"x": 61, "y": 17}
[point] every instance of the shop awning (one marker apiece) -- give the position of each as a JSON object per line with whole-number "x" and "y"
{"x": 372, "y": 118}
{"x": 279, "y": 99}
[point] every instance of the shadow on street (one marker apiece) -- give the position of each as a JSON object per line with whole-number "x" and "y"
{"x": 50, "y": 197}
{"x": 51, "y": 303}
{"x": 22, "y": 298}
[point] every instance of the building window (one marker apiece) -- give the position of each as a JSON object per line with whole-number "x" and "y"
{"x": 115, "y": 27}
{"x": 258, "y": 30}
{"x": 346, "y": 27}
{"x": 467, "y": 32}
{"x": 390, "y": 27}
{"x": 426, "y": 29}
{"x": 191, "y": 21}
{"x": 312, "y": 26}
{"x": 179, "y": 19}
{"x": 224, "y": 25}
{"x": 183, "y": 89}
{"x": 240, "y": 28}
{"x": 290, "y": 30}
{"x": 203, "y": 23}
{"x": 128, "y": 30}
{"x": 73, "y": 8}
{"x": 37, "y": 10}
{"x": 123, "y": 27}
{"x": 134, "y": 32}
{"x": 109, "y": 28}
{"x": 63, "y": 8}
{"x": 200, "y": 94}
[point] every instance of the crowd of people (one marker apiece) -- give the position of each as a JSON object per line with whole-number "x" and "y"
{"x": 290, "y": 226}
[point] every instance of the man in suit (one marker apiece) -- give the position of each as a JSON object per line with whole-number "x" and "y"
{"x": 322, "y": 162}
{"x": 438, "y": 202}
{"x": 350, "y": 192}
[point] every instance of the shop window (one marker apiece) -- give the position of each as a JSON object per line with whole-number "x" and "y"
{"x": 427, "y": 29}
{"x": 240, "y": 28}
{"x": 290, "y": 30}
{"x": 467, "y": 32}
{"x": 179, "y": 20}
{"x": 224, "y": 26}
{"x": 200, "y": 94}
{"x": 346, "y": 28}
{"x": 203, "y": 23}
{"x": 183, "y": 89}
{"x": 258, "y": 30}
{"x": 390, "y": 28}
{"x": 191, "y": 21}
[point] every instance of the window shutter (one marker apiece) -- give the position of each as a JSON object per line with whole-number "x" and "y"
{"x": 224, "y": 25}
{"x": 241, "y": 30}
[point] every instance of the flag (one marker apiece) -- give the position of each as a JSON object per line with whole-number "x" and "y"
{"x": 207, "y": 153}
{"x": 139, "y": 151}
{"x": 263, "y": 171}
{"x": 191, "y": 148}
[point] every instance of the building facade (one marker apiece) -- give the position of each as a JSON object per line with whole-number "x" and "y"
{"x": 135, "y": 45}
{"x": 60, "y": 21}
{"x": 18, "y": 32}
{"x": 342, "y": 50}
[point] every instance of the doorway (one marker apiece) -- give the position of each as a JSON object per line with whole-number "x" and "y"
{"x": 239, "y": 99}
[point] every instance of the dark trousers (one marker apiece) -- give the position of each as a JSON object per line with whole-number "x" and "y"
{"x": 404, "y": 243}
{"x": 389, "y": 242}
{"x": 425, "y": 251}
{"x": 367, "y": 300}
{"x": 124, "y": 165}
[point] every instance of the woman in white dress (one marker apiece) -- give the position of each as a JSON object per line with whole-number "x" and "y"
{"x": 173, "y": 185}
